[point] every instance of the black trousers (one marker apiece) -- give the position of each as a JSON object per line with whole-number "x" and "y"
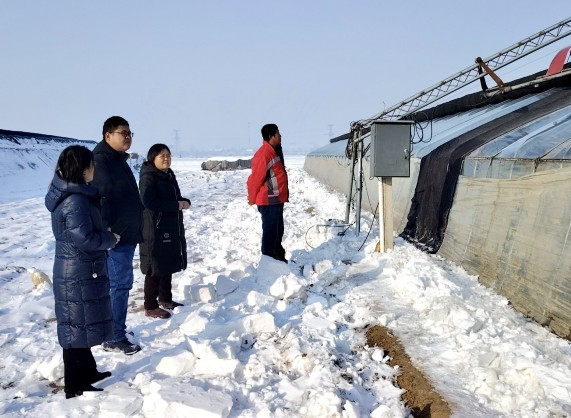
{"x": 79, "y": 368}
{"x": 157, "y": 287}
{"x": 273, "y": 231}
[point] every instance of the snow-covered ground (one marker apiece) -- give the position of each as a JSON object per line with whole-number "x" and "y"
{"x": 276, "y": 340}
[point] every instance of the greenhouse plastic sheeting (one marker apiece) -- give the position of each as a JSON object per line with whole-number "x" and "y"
{"x": 542, "y": 144}
{"x": 515, "y": 234}
{"x": 439, "y": 170}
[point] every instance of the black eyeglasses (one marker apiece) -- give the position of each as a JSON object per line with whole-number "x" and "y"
{"x": 126, "y": 134}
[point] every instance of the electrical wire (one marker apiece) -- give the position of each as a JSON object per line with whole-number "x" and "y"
{"x": 370, "y": 229}
{"x": 328, "y": 226}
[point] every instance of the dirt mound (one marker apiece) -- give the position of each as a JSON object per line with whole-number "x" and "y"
{"x": 420, "y": 396}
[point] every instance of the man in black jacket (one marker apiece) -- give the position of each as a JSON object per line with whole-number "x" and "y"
{"x": 122, "y": 213}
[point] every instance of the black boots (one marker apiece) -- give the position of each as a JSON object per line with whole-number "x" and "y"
{"x": 86, "y": 388}
{"x": 98, "y": 376}
{"x": 80, "y": 372}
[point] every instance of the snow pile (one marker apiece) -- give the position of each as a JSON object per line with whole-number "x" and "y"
{"x": 261, "y": 338}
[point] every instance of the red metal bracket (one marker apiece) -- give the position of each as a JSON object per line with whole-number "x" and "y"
{"x": 558, "y": 61}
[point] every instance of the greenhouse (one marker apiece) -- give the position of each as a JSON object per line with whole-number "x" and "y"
{"x": 490, "y": 177}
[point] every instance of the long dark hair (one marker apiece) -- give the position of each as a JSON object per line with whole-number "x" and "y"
{"x": 72, "y": 162}
{"x": 154, "y": 151}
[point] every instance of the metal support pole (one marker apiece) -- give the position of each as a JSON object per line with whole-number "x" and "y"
{"x": 350, "y": 190}
{"x": 359, "y": 188}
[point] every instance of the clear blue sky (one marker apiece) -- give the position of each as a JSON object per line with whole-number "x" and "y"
{"x": 216, "y": 71}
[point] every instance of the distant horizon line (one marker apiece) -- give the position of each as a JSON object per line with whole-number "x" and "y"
{"x": 245, "y": 150}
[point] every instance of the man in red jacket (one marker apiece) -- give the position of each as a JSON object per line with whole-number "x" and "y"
{"x": 268, "y": 189}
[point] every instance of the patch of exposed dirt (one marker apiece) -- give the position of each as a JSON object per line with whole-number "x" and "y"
{"x": 420, "y": 396}
{"x": 56, "y": 388}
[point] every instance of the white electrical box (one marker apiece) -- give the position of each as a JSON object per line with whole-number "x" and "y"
{"x": 390, "y": 148}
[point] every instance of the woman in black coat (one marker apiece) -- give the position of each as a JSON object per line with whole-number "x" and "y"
{"x": 163, "y": 250}
{"x": 80, "y": 282}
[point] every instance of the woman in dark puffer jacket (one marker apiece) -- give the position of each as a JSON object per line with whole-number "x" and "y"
{"x": 163, "y": 250}
{"x": 80, "y": 282}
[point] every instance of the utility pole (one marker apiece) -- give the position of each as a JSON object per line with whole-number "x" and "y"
{"x": 176, "y": 143}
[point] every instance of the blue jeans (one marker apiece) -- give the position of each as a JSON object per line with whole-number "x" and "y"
{"x": 120, "y": 265}
{"x": 273, "y": 231}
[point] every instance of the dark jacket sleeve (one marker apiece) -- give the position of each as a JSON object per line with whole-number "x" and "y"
{"x": 104, "y": 183}
{"x": 121, "y": 207}
{"x": 150, "y": 196}
{"x": 81, "y": 229}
